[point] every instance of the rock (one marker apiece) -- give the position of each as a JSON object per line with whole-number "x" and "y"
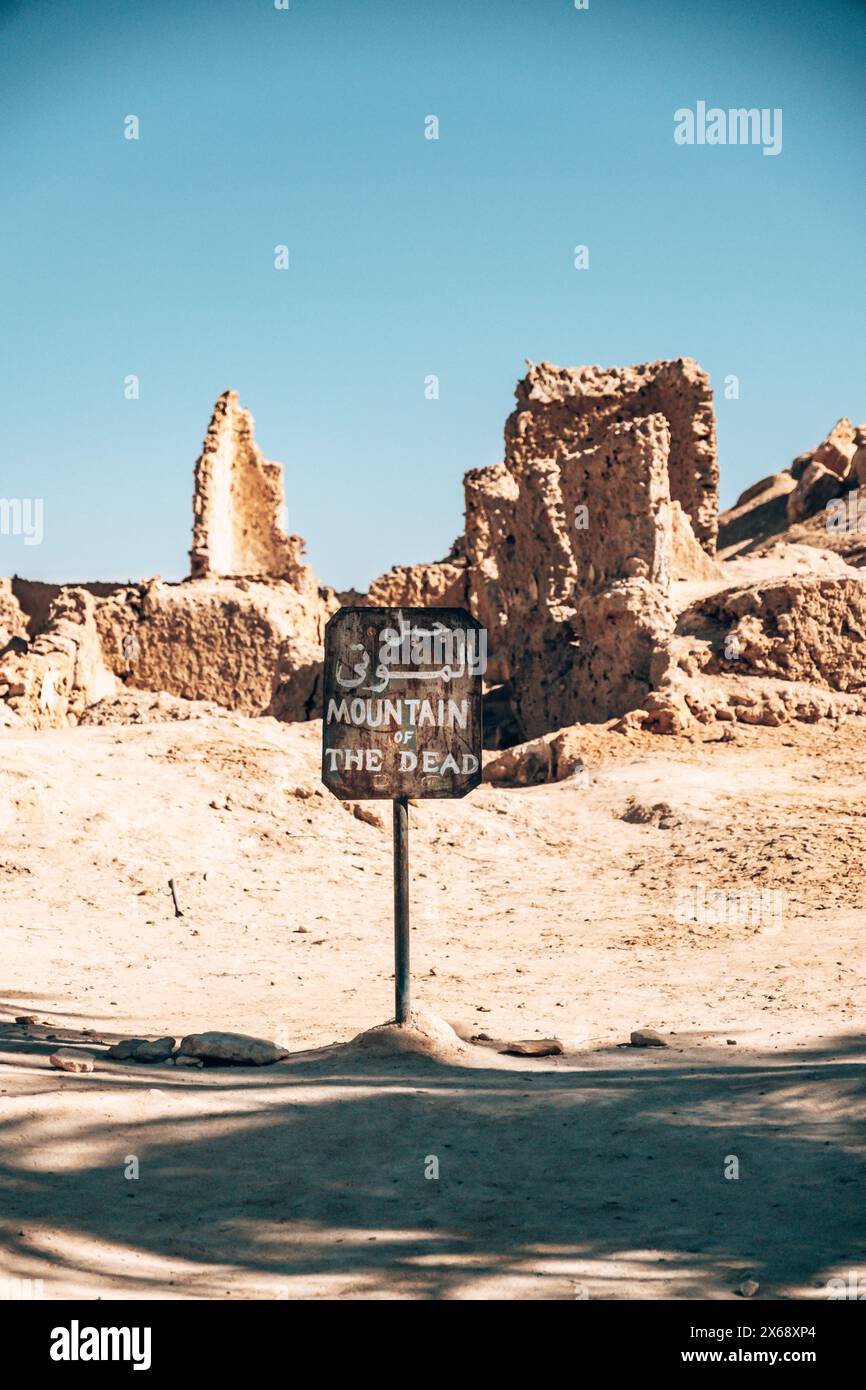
{"x": 181, "y": 1060}
{"x": 156, "y": 1051}
{"x": 659, "y": 814}
{"x": 808, "y": 630}
{"x": 609, "y": 479}
{"x": 366, "y": 814}
{"x": 125, "y": 1049}
{"x": 646, "y": 1037}
{"x": 235, "y": 1048}
{"x": 838, "y": 449}
{"x": 67, "y": 1060}
{"x": 662, "y": 712}
{"x": 760, "y": 515}
{"x": 765, "y": 485}
{"x": 748, "y": 1288}
{"x": 858, "y": 465}
{"x": 533, "y": 1047}
{"x": 689, "y": 560}
{"x": 818, "y": 486}
{"x": 63, "y": 669}
{"x": 526, "y": 765}
{"x": 27, "y": 1019}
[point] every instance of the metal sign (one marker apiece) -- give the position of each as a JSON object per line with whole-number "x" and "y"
{"x": 402, "y": 713}
{"x": 401, "y": 719}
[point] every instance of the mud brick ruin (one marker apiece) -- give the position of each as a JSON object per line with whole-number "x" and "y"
{"x": 594, "y": 554}
{"x": 238, "y": 504}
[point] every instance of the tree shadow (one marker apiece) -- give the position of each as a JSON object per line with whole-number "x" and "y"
{"x": 314, "y": 1175}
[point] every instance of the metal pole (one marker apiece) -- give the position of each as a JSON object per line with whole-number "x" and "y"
{"x": 401, "y": 909}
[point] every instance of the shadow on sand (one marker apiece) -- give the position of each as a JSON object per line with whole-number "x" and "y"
{"x": 603, "y": 1174}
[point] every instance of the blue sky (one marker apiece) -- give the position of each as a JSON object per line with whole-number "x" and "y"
{"x": 408, "y": 256}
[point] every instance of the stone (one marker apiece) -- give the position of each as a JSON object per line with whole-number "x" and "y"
{"x": 62, "y": 669}
{"x": 235, "y": 1048}
{"x": 748, "y": 1288}
{"x": 817, "y": 487}
{"x": 757, "y": 517}
{"x": 365, "y": 814}
{"x": 27, "y": 1019}
{"x": 763, "y": 486}
{"x": 837, "y": 450}
{"x": 182, "y": 1060}
{"x": 646, "y": 1037}
{"x": 156, "y": 1050}
{"x": 124, "y": 1050}
{"x": 806, "y": 630}
{"x": 67, "y": 1060}
{"x": 609, "y": 480}
{"x": 688, "y": 559}
{"x": 533, "y": 1047}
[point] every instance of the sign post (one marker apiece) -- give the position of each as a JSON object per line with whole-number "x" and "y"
{"x": 401, "y": 720}
{"x": 401, "y": 909}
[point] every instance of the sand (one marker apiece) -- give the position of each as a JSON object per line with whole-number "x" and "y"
{"x": 554, "y": 911}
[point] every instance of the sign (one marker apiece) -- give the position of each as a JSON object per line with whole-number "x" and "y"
{"x": 402, "y": 703}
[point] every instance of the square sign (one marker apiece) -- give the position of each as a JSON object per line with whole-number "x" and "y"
{"x": 402, "y": 714}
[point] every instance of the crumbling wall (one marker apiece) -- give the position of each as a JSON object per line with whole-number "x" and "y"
{"x": 561, "y": 410}
{"x": 608, "y": 477}
{"x": 48, "y": 682}
{"x": 13, "y": 622}
{"x": 812, "y": 631}
{"x": 250, "y": 646}
{"x": 238, "y": 503}
{"x": 443, "y": 584}
{"x": 254, "y": 644}
{"x": 573, "y": 556}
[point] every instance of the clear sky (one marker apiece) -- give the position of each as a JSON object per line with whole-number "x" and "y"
{"x": 407, "y": 256}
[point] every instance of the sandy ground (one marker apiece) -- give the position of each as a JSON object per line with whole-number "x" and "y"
{"x": 551, "y": 911}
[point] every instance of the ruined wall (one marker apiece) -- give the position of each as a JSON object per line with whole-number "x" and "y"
{"x": 238, "y": 503}
{"x": 634, "y": 451}
{"x": 617, "y": 500}
{"x": 560, "y": 410}
{"x": 812, "y": 631}
{"x": 443, "y": 584}
{"x": 13, "y": 622}
{"x": 571, "y": 558}
{"x": 48, "y": 682}
{"x": 251, "y": 646}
